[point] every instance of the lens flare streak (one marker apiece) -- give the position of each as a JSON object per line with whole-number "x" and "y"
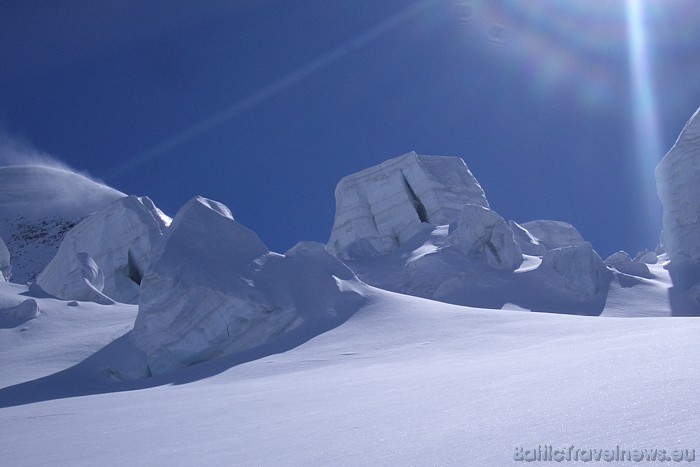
{"x": 646, "y": 125}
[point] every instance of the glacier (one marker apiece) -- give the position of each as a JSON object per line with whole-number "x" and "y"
{"x": 468, "y": 255}
{"x": 420, "y": 299}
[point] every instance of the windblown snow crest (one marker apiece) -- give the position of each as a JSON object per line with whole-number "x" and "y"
{"x": 38, "y": 205}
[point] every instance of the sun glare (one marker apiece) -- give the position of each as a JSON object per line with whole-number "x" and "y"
{"x": 648, "y": 148}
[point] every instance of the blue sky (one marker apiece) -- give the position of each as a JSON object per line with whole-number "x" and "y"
{"x": 265, "y": 104}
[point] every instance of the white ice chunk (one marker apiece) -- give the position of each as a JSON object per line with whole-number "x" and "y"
{"x": 119, "y": 239}
{"x": 553, "y": 234}
{"x": 529, "y": 245}
{"x": 623, "y": 263}
{"x": 214, "y": 289}
{"x": 482, "y": 233}
{"x": 678, "y": 186}
{"x": 5, "y": 266}
{"x": 383, "y": 206}
{"x": 577, "y": 270}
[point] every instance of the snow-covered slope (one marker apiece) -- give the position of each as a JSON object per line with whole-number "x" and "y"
{"x": 405, "y": 381}
{"x": 63, "y": 334}
{"x": 38, "y": 205}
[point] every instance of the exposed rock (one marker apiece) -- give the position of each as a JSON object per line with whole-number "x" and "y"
{"x": 529, "y": 245}
{"x": 214, "y": 289}
{"x": 380, "y": 208}
{"x": 623, "y": 263}
{"x": 482, "y": 233}
{"x": 108, "y": 253}
{"x": 577, "y": 270}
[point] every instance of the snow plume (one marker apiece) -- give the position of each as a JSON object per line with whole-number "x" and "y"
{"x": 17, "y": 151}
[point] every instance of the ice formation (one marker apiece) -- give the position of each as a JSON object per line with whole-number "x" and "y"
{"x": 528, "y": 243}
{"x": 553, "y": 234}
{"x": 107, "y": 254}
{"x": 622, "y": 262}
{"x": 5, "y": 266}
{"x": 214, "y": 289}
{"x": 482, "y": 233}
{"x": 648, "y": 257}
{"x": 578, "y": 270}
{"x": 383, "y": 206}
{"x": 678, "y": 186}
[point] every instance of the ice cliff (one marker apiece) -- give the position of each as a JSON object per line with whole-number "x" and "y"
{"x": 678, "y": 186}
{"x": 421, "y": 225}
{"x": 5, "y": 265}
{"x": 215, "y": 289}
{"x": 380, "y": 208}
{"x": 104, "y": 257}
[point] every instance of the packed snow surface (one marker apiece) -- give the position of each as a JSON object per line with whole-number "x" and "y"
{"x": 404, "y": 381}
